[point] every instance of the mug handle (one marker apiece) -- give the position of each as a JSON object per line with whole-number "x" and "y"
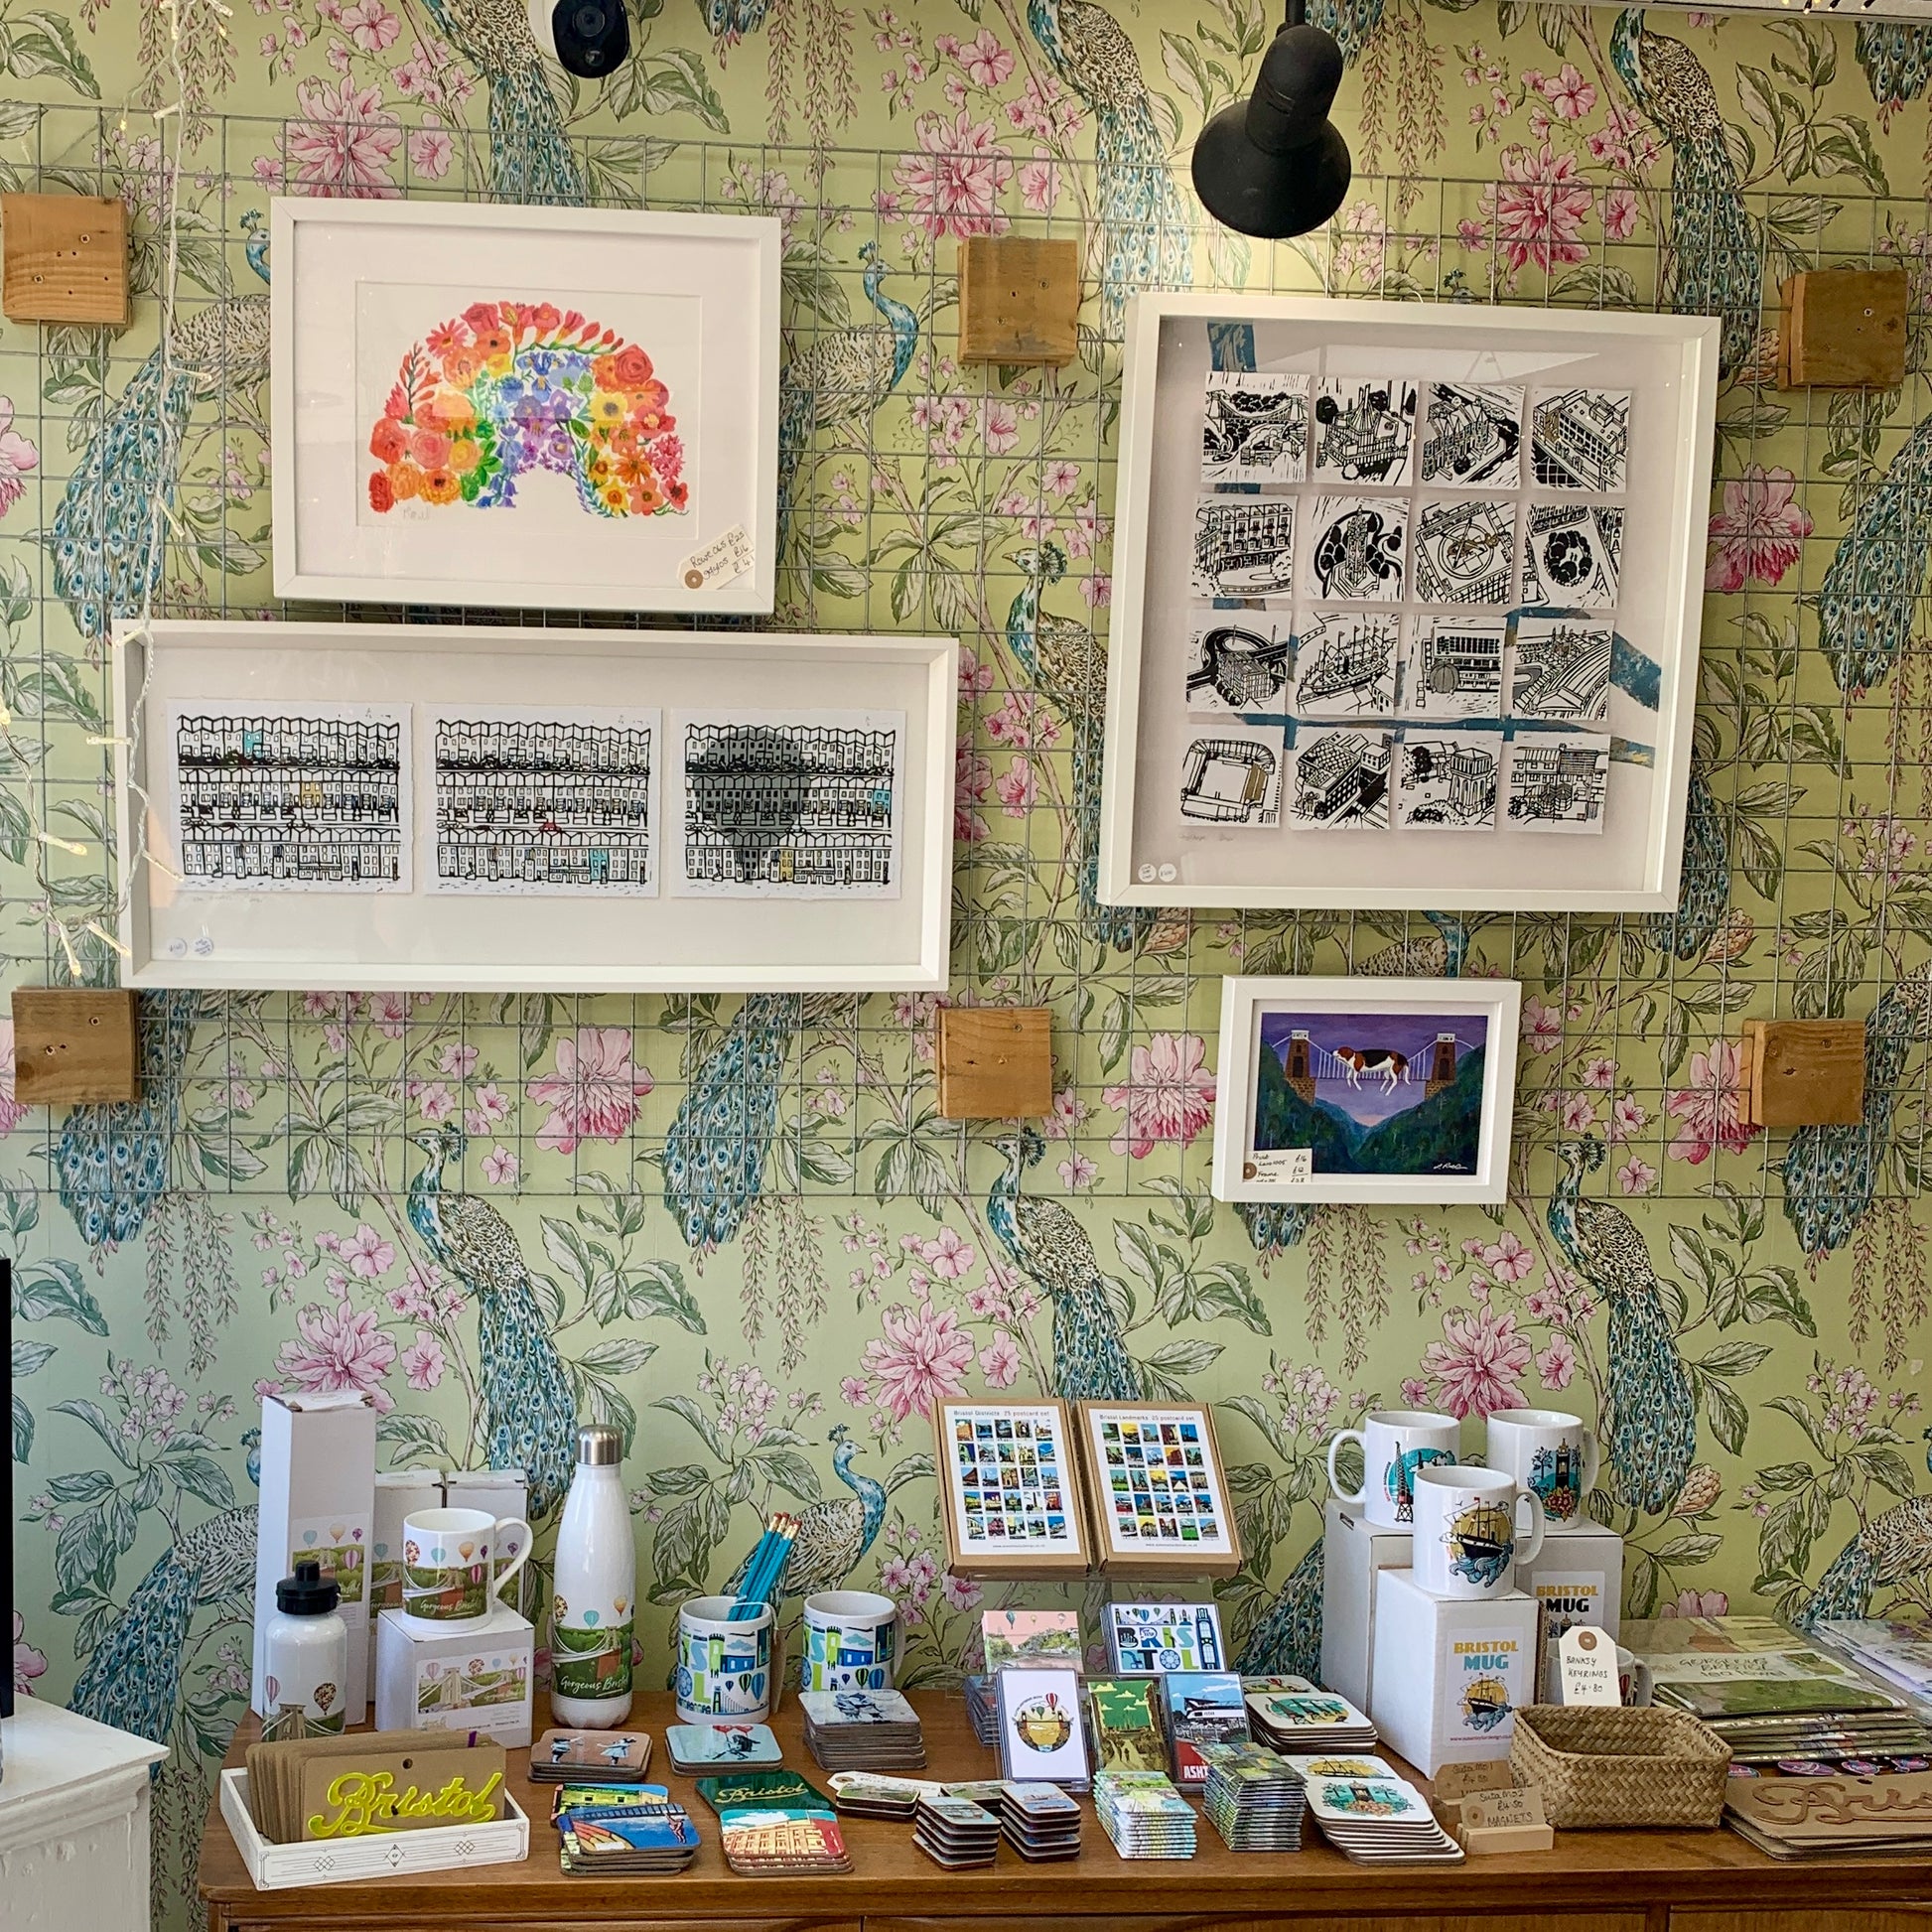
{"x": 1335, "y": 1441}
{"x": 1530, "y": 1541}
{"x": 500, "y": 1576}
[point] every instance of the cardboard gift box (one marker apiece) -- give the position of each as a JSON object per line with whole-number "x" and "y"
{"x": 1353, "y": 1551}
{"x": 478, "y": 1677}
{"x": 1576, "y": 1578}
{"x": 1450, "y": 1672}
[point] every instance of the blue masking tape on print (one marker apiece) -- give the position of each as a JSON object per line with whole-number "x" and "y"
{"x": 724, "y": 1669}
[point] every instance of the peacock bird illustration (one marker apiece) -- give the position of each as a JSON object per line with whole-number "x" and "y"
{"x": 1050, "y": 1247}
{"x": 1437, "y": 954}
{"x": 1274, "y": 1226}
{"x": 1704, "y": 889}
{"x": 529, "y": 1416}
{"x": 1895, "y": 1545}
{"x": 530, "y": 159}
{"x": 107, "y": 544}
{"x": 1897, "y": 62}
{"x": 1139, "y": 216}
{"x": 1288, "y": 1639}
{"x": 132, "y": 1678}
{"x": 841, "y": 376}
{"x": 111, "y": 1161}
{"x": 1715, "y": 264}
{"x": 1068, "y": 664}
{"x": 1872, "y": 584}
{"x": 1831, "y": 1174}
{"x": 730, "y": 21}
{"x": 834, "y": 1532}
{"x": 1650, "y": 1434}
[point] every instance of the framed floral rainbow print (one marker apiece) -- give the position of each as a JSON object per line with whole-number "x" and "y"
{"x": 540, "y": 408}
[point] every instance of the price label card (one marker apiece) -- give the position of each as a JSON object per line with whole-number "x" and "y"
{"x": 719, "y": 561}
{"x": 1492, "y": 1810}
{"x": 1586, "y": 1661}
{"x": 1285, "y": 1165}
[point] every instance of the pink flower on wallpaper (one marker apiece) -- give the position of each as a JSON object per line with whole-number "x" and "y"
{"x": 1698, "y": 1603}
{"x": 502, "y": 1168}
{"x": 1569, "y": 96}
{"x": 1542, "y": 1025}
{"x": 1627, "y": 1117}
{"x": 952, "y": 186}
{"x": 999, "y": 427}
{"x": 430, "y": 153}
{"x": 1077, "y": 1171}
{"x": 1705, "y": 1111}
{"x": 1557, "y": 1363}
{"x": 29, "y": 1663}
{"x": 947, "y": 1255}
{"x": 347, "y": 145}
{"x": 389, "y": 1014}
{"x": 423, "y": 1361}
{"x": 370, "y": 25}
{"x": 367, "y": 1254}
{"x": 12, "y": 1113}
{"x": 1539, "y": 208}
{"x": 1619, "y": 214}
{"x": 921, "y": 1359}
{"x": 1479, "y": 1364}
{"x": 972, "y": 779}
{"x": 1636, "y": 1175}
{"x": 1000, "y": 1362}
{"x": 594, "y": 1093}
{"x": 338, "y": 1348}
{"x": 1040, "y": 185}
{"x": 1507, "y": 1258}
{"x": 1017, "y": 788}
{"x": 1168, "y": 1094}
{"x": 986, "y": 61}
{"x": 1757, "y": 535}
{"x": 17, "y": 457}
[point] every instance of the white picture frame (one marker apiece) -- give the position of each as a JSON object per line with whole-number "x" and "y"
{"x": 367, "y": 302}
{"x": 1260, "y": 1015}
{"x": 1258, "y": 850}
{"x": 269, "y": 916}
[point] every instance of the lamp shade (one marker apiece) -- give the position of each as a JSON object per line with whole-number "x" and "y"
{"x": 1275, "y": 165}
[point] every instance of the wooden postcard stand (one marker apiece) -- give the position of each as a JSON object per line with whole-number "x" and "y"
{"x": 1122, "y": 1557}
{"x": 1071, "y": 1554}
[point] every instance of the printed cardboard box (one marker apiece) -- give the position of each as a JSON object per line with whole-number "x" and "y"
{"x": 477, "y": 1679}
{"x": 1576, "y": 1577}
{"x": 1355, "y": 1550}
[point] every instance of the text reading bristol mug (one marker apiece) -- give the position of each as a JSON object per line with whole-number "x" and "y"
{"x": 1397, "y": 1443}
{"x": 1547, "y": 1452}
{"x": 454, "y": 1561}
{"x": 1473, "y": 1528}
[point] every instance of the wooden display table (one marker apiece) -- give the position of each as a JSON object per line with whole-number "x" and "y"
{"x": 1592, "y": 1882}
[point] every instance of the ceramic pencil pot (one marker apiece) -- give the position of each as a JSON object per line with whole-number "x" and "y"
{"x": 454, "y": 1562}
{"x": 1397, "y": 1444}
{"x": 1473, "y": 1528}
{"x": 724, "y": 1669}
{"x": 851, "y": 1641}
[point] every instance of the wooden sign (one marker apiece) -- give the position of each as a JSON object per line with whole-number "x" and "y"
{"x": 1505, "y": 1821}
{"x": 1842, "y": 328}
{"x": 363, "y": 1793}
{"x": 1019, "y": 300}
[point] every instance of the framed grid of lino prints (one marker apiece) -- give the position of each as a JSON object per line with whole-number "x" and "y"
{"x": 1158, "y": 1492}
{"x": 1010, "y": 1488}
{"x": 1406, "y": 605}
{"x": 340, "y": 805}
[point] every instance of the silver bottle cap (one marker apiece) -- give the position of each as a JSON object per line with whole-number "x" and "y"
{"x": 599, "y": 1443}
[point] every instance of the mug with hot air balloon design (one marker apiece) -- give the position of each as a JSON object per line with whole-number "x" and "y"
{"x": 454, "y": 1561}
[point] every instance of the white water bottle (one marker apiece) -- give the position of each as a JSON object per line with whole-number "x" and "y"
{"x": 305, "y": 1649}
{"x": 595, "y": 1601}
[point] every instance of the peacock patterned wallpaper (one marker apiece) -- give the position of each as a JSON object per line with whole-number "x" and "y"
{"x": 737, "y": 1228}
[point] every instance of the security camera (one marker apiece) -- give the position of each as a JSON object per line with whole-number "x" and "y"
{"x": 587, "y": 38}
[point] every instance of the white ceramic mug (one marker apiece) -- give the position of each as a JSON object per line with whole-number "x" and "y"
{"x": 724, "y": 1669}
{"x": 1473, "y": 1528}
{"x": 1548, "y": 1451}
{"x": 851, "y": 1639}
{"x": 454, "y": 1562}
{"x": 1397, "y": 1443}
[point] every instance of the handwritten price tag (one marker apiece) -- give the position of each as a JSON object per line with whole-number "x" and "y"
{"x": 1587, "y": 1659}
{"x": 719, "y": 561}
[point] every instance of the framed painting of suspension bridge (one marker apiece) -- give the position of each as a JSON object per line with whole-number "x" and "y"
{"x": 333, "y": 806}
{"x": 545, "y": 408}
{"x": 1406, "y": 603}
{"x": 1365, "y": 1090}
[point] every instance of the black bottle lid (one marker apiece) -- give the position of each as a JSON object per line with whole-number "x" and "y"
{"x": 305, "y": 1594}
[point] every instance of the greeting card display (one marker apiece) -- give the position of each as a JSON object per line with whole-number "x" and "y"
{"x": 1161, "y": 1506}
{"x": 1010, "y": 1488}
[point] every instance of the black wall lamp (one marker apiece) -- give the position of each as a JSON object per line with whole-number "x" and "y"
{"x": 1275, "y": 165}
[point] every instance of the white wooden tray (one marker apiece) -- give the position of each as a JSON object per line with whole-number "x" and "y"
{"x": 320, "y": 1862}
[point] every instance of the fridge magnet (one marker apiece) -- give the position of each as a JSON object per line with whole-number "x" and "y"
{"x": 1237, "y": 661}
{"x": 1466, "y": 551}
{"x": 1147, "y": 1639}
{"x": 550, "y": 407}
{"x": 1365, "y": 1090}
{"x": 1244, "y": 546}
{"x": 1354, "y": 547}
{"x": 1044, "y": 1638}
{"x": 1345, "y": 665}
{"x": 1341, "y": 780}
{"x": 1254, "y": 428}
{"x": 1453, "y": 667}
{"x": 1556, "y": 784}
{"x": 1364, "y": 430}
{"x": 1203, "y": 1707}
{"x": 1041, "y": 1740}
{"x": 1128, "y": 1722}
{"x": 1159, "y": 1503}
{"x": 1560, "y": 669}
{"x": 1447, "y": 781}
{"x": 1232, "y": 779}
{"x": 1473, "y": 435}
{"x": 1580, "y": 439}
{"x": 1572, "y": 554}
{"x": 1009, "y": 1492}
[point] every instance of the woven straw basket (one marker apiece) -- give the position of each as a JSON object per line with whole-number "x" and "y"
{"x": 1600, "y": 1766}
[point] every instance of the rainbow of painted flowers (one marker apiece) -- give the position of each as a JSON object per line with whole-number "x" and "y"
{"x": 508, "y": 388}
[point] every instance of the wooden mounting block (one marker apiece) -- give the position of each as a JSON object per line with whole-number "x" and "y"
{"x": 65, "y": 259}
{"x": 1019, "y": 300}
{"x": 74, "y": 1045}
{"x": 1802, "y": 1073}
{"x": 995, "y": 1062}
